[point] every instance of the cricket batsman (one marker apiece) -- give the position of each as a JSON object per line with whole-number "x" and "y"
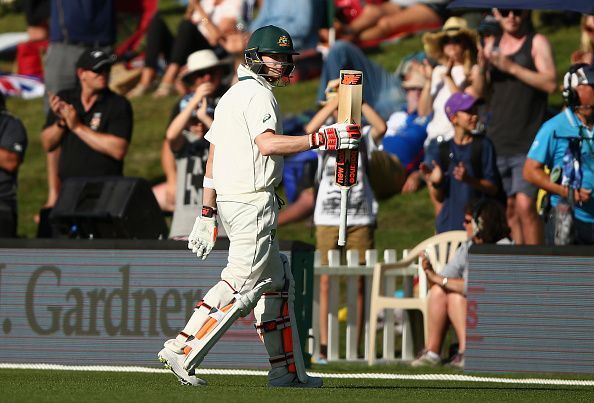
{"x": 244, "y": 167}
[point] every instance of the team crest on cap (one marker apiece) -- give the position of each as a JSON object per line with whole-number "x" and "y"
{"x": 283, "y": 41}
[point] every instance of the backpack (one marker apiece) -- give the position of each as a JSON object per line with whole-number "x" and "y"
{"x": 476, "y": 156}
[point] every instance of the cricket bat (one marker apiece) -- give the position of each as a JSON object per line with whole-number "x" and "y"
{"x": 350, "y": 98}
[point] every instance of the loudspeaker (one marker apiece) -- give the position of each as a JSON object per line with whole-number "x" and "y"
{"x": 107, "y": 207}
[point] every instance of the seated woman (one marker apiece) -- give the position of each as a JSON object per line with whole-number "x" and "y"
{"x": 485, "y": 223}
{"x": 207, "y": 24}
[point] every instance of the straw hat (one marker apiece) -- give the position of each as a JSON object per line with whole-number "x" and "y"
{"x": 453, "y": 27}
{"x": 202, "y": 60}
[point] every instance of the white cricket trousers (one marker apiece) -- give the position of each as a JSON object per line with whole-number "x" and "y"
{"x": 250, "y": 221}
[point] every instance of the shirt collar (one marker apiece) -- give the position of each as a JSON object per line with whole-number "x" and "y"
{"x": 574, "y": 121}
{"x": 243, "y": 71}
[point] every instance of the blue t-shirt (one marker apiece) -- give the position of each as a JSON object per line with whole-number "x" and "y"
{"x": 457, "y": 194}
{"x": 86, "y": 22}
{"x": 550, "y": 145}
{"x": 407, "y": 142}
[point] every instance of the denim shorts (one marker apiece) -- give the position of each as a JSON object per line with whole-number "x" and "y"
{"x": 510, "y": 168}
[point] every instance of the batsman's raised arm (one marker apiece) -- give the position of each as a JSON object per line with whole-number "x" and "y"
{"x": 338, "y": 136}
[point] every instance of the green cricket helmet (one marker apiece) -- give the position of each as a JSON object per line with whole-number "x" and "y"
{"x": 270, "y": 40}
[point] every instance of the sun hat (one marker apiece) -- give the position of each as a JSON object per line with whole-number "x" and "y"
{"x": 202, "y": 60}
{"x": 454, "y": 27}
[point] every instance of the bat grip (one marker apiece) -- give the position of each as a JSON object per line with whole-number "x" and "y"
{"x": 344, "y": 200}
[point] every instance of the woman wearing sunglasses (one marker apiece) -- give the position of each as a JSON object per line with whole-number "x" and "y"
{"x": 453, "y": 52}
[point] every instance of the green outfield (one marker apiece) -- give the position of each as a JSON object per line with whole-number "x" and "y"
{"x": 70, "y": 386}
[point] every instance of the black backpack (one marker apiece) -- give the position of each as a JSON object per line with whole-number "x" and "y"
{"x": 476, "y": 155}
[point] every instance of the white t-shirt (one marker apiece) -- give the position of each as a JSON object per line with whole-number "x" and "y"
{"x": 440, "y": 125}
{"x": 247, "y": 110}
{"x": 217, "y": 13}
{"x": 362, "y": 206}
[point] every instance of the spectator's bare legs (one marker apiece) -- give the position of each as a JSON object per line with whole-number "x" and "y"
{"x": 438, "y": 318}
{"x": 457, "y": 314}
{"x": 166, "y": 86}
{"x": 513, "y": 221}
{"x": 53, "y": 180}
{"x": 324, "y": 290}
{"x": 370, "y": 15}
{"x": 146, "y": 79}
{"x": 360, "y": 312}
{"x": 417, "y": 14}
{"x": 528, "y": 220}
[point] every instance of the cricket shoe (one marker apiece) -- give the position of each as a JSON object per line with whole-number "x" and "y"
{"x": 290, "y": 380}
{"x": 174, "y": 362}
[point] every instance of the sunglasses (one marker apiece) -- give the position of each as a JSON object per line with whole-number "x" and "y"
{"x": 506, "y": 11}
{"x": 453, "y": 40}
{"x": 589, "y": 29}
{"x": 467, "y": 221}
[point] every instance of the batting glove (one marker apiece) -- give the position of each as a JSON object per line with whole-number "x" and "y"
{"x": 204, "y": 233}
{"x": 338, "y": 136}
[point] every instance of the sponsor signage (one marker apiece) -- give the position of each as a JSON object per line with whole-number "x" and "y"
{"x": 110, "y": 306}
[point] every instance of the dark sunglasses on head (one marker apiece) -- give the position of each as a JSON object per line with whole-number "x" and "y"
{"x": 506, "y": 11}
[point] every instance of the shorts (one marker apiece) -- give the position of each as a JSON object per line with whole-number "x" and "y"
{"x": 386, "y": 174}
{"x": 359, "y": 237}
{"x": 510, "y": 168}
{"x": 583, "y": 231}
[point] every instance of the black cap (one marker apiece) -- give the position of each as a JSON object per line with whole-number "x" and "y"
{"x": 95, "y": 60}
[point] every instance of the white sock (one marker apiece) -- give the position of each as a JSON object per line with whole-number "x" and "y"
{"x": 432, "y": 355}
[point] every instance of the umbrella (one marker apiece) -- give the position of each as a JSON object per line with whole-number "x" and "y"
{"x": 582, "y": 6}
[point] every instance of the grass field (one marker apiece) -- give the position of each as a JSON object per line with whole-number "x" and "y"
{"x": 71, "y": 386}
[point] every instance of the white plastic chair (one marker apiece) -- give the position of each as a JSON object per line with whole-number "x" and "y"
{"x": 440, "y": 249}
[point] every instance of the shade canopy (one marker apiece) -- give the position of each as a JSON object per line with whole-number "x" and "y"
{"x": 582, "y": 6}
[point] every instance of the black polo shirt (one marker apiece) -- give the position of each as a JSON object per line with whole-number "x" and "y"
{"x": 111, "y": 113}
{"x": 13, "y": 137}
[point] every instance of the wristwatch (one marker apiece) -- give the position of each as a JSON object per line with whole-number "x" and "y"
{"x": 444, "y": 282}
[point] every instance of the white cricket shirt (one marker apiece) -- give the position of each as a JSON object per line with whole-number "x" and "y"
{"x": 247, "y": 110}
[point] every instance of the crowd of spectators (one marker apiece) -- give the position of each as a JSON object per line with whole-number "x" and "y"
{"x": 467, "y": 116}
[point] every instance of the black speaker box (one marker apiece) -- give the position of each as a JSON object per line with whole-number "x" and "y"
{"x": 107, "y": 207}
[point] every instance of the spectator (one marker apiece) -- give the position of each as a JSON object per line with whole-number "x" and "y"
{"x": 190, "y": 120}
{"x": 74, "y": 28}
{"x": 207, "y": 24}
{"x": 521, "y": 73}
{"x": 13, "y": 144}
{"x": 301, "y": 19}
{"x": 485, "y": 224}
{"x": 403, "y": 142}
{"x": 565, "y": 144}
{"x": 362, "y": 206}
{"x": 455, "y": 52}
{"x": 378, "y": 21}
{"x": 90, "y": 124}
{"x": 381, "y": 89}
{"x": 159, "y": 43}
{"x": 585, "y": 54}
{"x": 453, "y": 179}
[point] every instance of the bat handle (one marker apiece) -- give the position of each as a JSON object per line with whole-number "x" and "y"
{"x": 344, "y": 200}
